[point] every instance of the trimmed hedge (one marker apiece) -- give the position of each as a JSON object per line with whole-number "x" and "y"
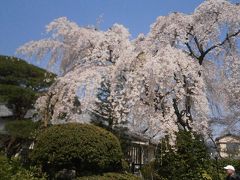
{"x": 81, "y": 147}
{"x": 110, "y": 176}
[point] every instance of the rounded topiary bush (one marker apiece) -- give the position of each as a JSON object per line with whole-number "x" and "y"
{"x": 83, "y": 147}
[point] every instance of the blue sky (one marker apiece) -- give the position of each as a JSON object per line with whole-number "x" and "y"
{"x": 25, "y": 20}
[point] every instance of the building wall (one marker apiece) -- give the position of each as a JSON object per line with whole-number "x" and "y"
{"x": 229, "y": 146}
{"x": 5, "y": 112}
{"x": 141, "y": 153}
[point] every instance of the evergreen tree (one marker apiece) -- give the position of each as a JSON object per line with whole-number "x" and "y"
{"x": 21, "y": 83}
{"x": 187, "y": 160}
{"x": 103, "y": 113}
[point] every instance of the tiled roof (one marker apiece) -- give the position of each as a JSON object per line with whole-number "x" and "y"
{"x": 5, "y": 111}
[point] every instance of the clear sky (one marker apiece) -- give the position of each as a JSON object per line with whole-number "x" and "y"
{"x": 25, "y": 20}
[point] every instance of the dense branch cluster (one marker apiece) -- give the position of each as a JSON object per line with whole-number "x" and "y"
{"x": 156, "y": 83}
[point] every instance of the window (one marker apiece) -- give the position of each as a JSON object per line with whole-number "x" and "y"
{"x": 233, "y": 149}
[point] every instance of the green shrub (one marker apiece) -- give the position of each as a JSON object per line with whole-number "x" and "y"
{"x": 125, "y": 166}
{"x": 11, "y": 169}
{"x": 189, "y": 159}
{"x": 5, "y": 168}
{"x": 217, "y": 170}
{"x": 148, "y": 171}
{"x": 110, "y": 176}
{"x": 228, "y": 161}
{"x": 85, "y": 148}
